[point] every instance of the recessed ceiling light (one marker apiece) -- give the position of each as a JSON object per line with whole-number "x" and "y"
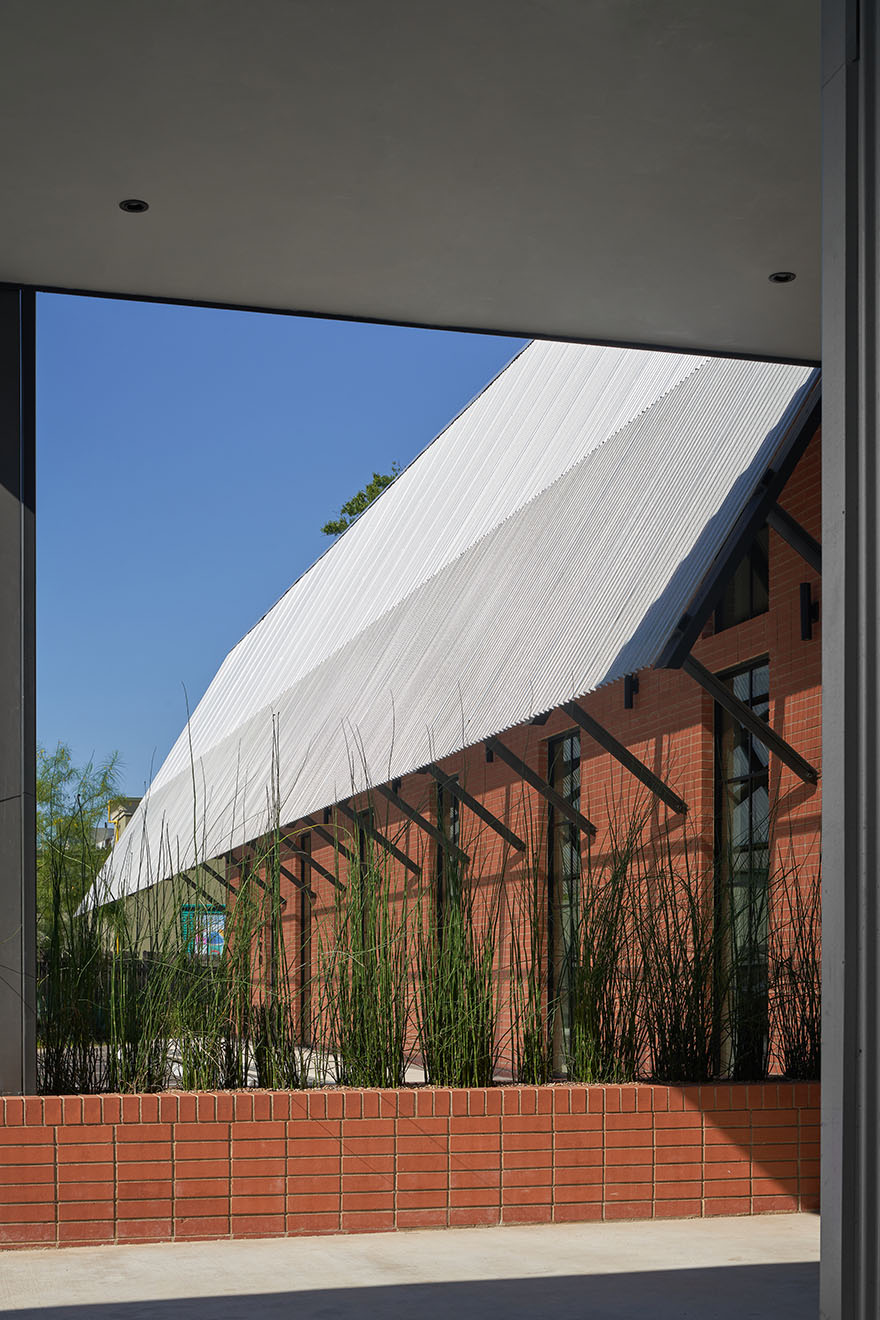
{"x": 135, "y": 206}
{"x": 782, "y": 277}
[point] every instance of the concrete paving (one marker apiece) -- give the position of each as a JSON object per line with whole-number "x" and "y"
{"x": 713, "y": 1269}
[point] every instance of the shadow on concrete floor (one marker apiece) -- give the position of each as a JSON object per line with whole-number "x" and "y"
{"x": 729, "y": 1292}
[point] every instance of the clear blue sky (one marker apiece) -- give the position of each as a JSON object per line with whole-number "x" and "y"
{"x": 186, "y": 460}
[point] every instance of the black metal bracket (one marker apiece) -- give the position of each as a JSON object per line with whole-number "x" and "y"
{"x": 541, "y": 786}
{"x": 203, "y": 893}
{"x": 368, "y": 828}
{"x": 261, "y": 884}
{"x": 327, "y": 835}
{"x": 745, "y": 716}
{"x": 305, "y": 856}
{"x": 622, "y": 754}
{"x": 630, "y": 689}
{"x": 215, "y": 875}
{"x": 797, "y": 536}
{"x": 418, "y": 819}
{"x": 294, "y": 879}
{"x": 451, "y": 785}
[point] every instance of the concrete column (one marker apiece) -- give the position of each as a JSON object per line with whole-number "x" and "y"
{"x": 850, "y": 1288}
{"x": 17, "y": 695}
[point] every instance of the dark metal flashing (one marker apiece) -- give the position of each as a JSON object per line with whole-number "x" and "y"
{"x": 622, "y": 754}
{"x": 377, "y": 837}
{"x": 451, "y": 785}
{"x": 541, "y": 786}
{"x": 749, "y": 720}
{"x": 418, "y": 819}
{"x": 796, "y": 429}
{"x": 797, "y": 536}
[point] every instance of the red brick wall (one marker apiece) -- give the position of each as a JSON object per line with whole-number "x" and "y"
{"x": 148, "y": 1168}
{"x": 670, "y": 728}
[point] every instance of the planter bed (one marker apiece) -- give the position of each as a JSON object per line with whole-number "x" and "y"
{"x": 148, "y": 1168}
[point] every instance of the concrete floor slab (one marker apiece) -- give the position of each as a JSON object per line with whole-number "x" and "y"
{"x": 711, "y": 1269}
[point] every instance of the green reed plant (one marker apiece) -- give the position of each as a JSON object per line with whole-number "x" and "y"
{"x": 533, "y": 996}
{"x": 795, "y": 1009}
{"x": 365, "y": 997}
{"x": 533, "y": 1005}
{"x": 71, "y": 976}
{"x": 683, "y": 943}
{"x": 277, "y": 1049}
{"x": 603, "y": 981}
{"x": 458, "y": 994}
{"x": 143, "y": 984}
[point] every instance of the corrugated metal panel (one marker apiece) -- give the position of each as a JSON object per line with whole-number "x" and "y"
{"x": 547, "y": 542}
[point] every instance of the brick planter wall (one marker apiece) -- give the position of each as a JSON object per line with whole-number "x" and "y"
{"x": 99, "y": 1169}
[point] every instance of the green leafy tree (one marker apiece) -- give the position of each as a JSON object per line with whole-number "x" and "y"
{"x": 71, "y": 806}
{"x": 362, "y": 500}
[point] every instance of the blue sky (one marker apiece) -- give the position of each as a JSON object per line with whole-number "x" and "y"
{"x": 186, "y": 460}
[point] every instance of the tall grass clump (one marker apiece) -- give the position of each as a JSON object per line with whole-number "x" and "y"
{"x": 277, "y": 1049}
{"x": 533, "y": 1000}
{"x": 682, "y": 947}
{"x": 603, "y": 965}
{"x": 795, "y": 1008}
{"x": 364, "y": 992}
{"x": 71, "y": 963}
{"x": 457, "y": 998}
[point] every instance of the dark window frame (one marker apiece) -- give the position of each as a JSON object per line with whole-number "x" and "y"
{"x": 750, "y": 578}
{"x": 737, "y": 893}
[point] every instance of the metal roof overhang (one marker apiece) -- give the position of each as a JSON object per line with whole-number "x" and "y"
{"x": 624, "y": 171}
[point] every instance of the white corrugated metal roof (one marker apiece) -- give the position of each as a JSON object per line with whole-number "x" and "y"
{"x": 545, "y": 543}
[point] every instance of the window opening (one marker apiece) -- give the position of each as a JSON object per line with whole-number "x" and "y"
{"x": 742, "y": 823}
{"x": 747, "y": 594}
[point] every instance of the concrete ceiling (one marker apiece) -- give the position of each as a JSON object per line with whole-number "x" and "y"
{"x": 611, "y": 170}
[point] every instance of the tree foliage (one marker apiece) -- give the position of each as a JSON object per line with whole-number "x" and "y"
{"x": 352, "y": 508}
{"x": 71, "y": 804}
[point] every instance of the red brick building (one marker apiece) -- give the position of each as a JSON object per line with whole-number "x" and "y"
{"x": 499, "y": 651}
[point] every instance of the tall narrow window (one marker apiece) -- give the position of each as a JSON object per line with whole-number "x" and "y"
{"x": 747, "y": 594}
{"x": 305, "y": 943}
{"x": 564, "y": 870}
{"x": 447, "y": 866}
{"x": 743, "y": 846}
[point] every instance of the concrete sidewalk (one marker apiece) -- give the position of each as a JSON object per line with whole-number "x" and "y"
{"x": 762, "y": 1268}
